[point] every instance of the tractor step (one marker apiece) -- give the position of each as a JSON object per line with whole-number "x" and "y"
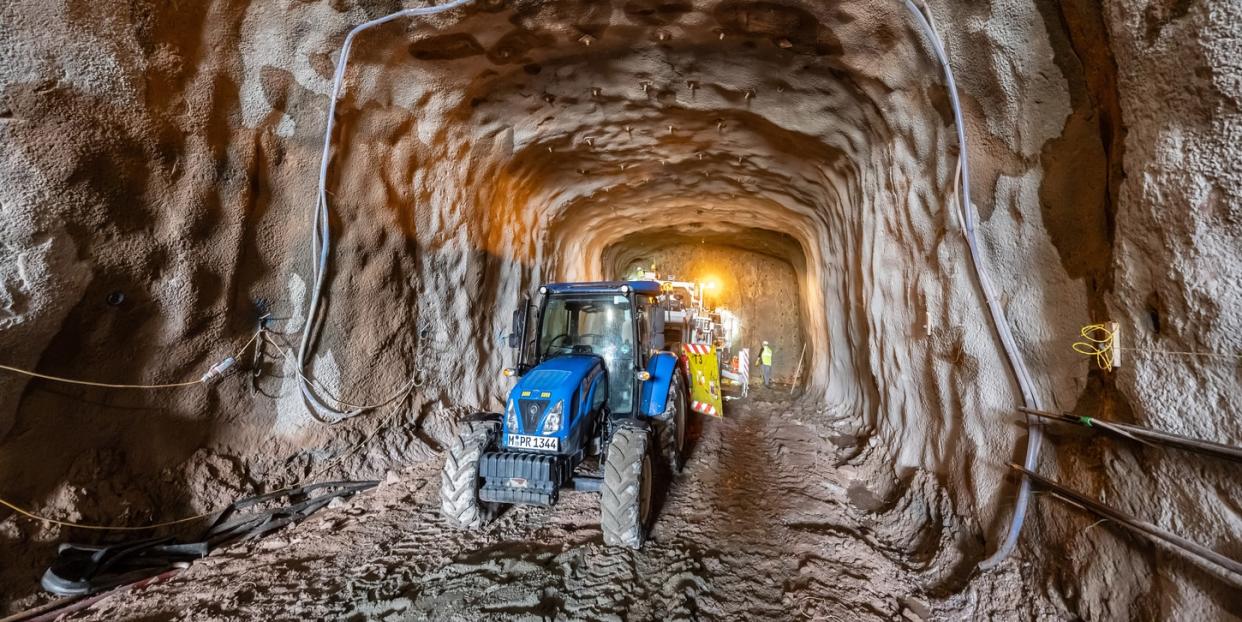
{"x": 520, "y": 477}
{"x": 587, "y": 483}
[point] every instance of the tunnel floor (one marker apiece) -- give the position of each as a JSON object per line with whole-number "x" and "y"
{"x": 765, "y": 522}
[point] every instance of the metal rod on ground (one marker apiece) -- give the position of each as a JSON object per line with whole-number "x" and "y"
{"x": 1148, "y": 435}
{"x": 29, "y": 614}
{"x": 1145, "y": 529}
{"x": 798, "y": 371}
{"x": 57, "y": 608}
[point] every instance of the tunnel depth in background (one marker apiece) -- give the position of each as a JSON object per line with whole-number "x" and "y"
{"x": 756, "y": 275}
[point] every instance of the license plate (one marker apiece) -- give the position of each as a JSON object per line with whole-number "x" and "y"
{"x": 519, "y": 441}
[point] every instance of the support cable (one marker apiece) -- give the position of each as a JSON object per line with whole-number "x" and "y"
{"x": 324, "y": 468}
{"x": 321, "y": 238}
{"x": 1016, "y": 364}
{"x": 1100, "y": 342}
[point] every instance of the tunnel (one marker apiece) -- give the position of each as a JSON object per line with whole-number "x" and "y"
{"x": 179, "y": 300}
{"x": 756, "y": 275}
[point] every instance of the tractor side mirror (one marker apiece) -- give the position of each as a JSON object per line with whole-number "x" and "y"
{"x": 519, "y": 327}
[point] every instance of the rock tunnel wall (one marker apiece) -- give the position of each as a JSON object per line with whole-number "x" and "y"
{"x": 159, "y": 171}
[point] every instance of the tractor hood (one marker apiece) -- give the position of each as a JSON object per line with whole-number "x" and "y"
{"x": 549, "y": 382}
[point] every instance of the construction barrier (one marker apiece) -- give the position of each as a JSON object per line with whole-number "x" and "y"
{"x": 743, "y": 370}
{"x": 704, "y": 379}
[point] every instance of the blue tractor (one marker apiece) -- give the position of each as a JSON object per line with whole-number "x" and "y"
{"x": 599, "y": 405}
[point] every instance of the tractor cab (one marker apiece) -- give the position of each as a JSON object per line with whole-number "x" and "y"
{"x": 593, "y": 381}
{"x": 591, "y": 340}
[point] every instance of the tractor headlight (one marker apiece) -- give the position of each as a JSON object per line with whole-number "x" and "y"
{"x": 552, "y": 423}
{"x": 511, "y": 418}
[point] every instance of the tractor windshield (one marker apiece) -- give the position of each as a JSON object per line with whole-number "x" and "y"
{"x": 596, "y": 324}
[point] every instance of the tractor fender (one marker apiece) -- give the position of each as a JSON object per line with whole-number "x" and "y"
{"x": 661, "y": 366}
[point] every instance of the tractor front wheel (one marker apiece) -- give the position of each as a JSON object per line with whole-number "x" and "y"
{"x": 627, "y": 496}
{"x": 459, "y": 480}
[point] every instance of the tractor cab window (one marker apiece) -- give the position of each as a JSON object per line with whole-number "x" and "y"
{"x": 602, "y": 325}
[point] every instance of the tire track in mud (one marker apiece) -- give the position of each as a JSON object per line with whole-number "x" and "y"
{"x": 758, "y": 526}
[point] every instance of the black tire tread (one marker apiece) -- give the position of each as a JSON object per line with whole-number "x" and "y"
{"x": 459, "y": 479}
{"x": 620, "y": 498}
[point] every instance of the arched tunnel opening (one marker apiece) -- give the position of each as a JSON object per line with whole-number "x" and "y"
{"x": 757, "y": 276}
{"x": 796, "y": 164}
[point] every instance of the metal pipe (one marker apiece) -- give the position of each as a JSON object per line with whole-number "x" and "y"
{"x": 1142, "y": 528}
{"x": 56, "y": 609}
{"x": 1147, "y": 435}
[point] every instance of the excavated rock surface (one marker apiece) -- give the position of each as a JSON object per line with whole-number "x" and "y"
{"x": 158, "y": 167}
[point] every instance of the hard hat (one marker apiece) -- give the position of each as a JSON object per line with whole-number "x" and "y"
{"x": 765, "y": 343}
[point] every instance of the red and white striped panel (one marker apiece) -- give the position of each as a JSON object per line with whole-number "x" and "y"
{"x": 703, "y": 407}
{"x": 696, "y": 348}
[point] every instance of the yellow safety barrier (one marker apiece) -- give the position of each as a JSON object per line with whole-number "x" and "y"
{"x": 704, "y": 379}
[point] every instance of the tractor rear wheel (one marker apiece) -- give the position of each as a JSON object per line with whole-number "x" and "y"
{"x": 671, "y": 426}
{"x": 627, "y": 499}
{"x": 459, "y": 480}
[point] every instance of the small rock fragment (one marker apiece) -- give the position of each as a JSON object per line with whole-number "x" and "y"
{"x": 272, "y": 544}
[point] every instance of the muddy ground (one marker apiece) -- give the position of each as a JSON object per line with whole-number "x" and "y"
{"x": 766, "y": 522}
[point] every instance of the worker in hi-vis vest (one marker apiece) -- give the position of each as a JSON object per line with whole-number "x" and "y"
{"x": 765, "y": 362}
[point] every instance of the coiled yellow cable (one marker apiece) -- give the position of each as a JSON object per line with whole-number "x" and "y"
{"x": 1099, "y": 344}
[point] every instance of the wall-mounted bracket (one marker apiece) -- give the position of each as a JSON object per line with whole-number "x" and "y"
{"x": 1115, "y": 350}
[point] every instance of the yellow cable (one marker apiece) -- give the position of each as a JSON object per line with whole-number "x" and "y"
{"x": 124, "y": 386}
{"x": 32, "y": 515}
{"x": 1099, "y": 343}
{"x": 62, "y": 523}
{"x": 321, "y": 470}
{"x": 100, "y": 384}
